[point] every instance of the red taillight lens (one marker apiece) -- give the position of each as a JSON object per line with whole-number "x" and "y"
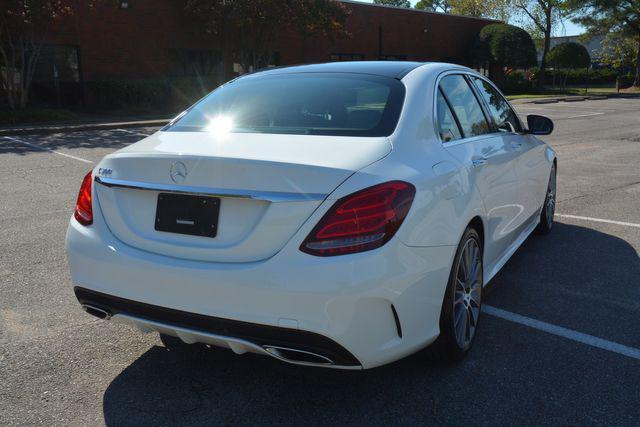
{"x": 84, "y": 213}
{"x": 361, "y": 221}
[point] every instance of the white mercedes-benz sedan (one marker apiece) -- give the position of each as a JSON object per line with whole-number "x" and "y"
{"x": 342, "y": 215}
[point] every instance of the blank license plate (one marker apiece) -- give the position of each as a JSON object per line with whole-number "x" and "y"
{"x": 186, "y": 214}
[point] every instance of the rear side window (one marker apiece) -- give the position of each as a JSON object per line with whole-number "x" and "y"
{"x": 499, "y": 108}
{"x": 447, "y": 126}
{"x": 302, "y": 104}
{"x": 465, "y": 105}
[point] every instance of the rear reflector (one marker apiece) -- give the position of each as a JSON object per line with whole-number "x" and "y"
{"x": 83, "y": 213}
{"x": 362, "y": 221}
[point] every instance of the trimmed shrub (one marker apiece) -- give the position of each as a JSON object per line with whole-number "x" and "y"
{"x": 569, "y": 56}
{"x": 506, "y": 45}
{"x": 517, "y": 82}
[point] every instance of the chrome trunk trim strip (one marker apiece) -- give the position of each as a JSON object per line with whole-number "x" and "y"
{"x": 268, "y": 196}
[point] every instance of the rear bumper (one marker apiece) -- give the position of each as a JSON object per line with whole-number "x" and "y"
{"x": 239, "y": 336}
{"x": 339, "y": 307}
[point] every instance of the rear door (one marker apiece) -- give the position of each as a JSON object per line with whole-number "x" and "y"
{"x": 530, "y": 151}
{"x": 468, "y": 134}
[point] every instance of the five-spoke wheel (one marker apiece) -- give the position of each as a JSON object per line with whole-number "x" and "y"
{"x": 462, "y": 301}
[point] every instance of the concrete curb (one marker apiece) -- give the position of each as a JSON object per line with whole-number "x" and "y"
{"x": 36, "y": 130}
{"x": 578, "y": 98}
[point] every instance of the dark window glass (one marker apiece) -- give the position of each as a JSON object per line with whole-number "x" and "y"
{"x": 186, "y": 62}
{"x": 304, "y": 104}
{"x": 465, "y": 105}
{"x": 392, "y": 57}
{"x": 447, "y": 126}
{"x": 337, "y": 57}
{"x": 500, "y": 110}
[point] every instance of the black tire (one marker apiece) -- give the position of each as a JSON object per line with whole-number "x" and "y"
{"x": 447, "y": 346}
{"x": 549, "y": 207}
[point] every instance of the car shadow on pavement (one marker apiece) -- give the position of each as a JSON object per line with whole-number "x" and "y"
{"x": 578, "y": 278}
{"x": 198, "y": 385}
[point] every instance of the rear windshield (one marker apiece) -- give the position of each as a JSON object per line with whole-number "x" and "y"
{"x": 302, "y": 104}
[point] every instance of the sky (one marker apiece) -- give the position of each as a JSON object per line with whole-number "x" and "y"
{"x": 570, "y": 29}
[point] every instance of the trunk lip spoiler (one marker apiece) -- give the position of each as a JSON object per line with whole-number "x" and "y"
{"x": 267, "y": 196}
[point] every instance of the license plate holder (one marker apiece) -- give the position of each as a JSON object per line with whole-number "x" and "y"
{"x": 187, "y": 214}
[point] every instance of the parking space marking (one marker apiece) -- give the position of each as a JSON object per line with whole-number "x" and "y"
{"x": 585, "y": 115}
{"x": 80, "y": 159}
{"x": 132, "y": 132}
{"x": 580, "y": 337}
{"x": 607, "y": 221}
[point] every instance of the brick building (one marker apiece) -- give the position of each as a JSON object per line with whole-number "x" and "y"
{"x": 138, "y": 40}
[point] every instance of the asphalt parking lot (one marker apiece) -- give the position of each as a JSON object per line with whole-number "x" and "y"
{"x": 559, "y": 342}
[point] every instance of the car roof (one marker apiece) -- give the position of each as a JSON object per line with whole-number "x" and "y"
{"x": 393, "y": 69}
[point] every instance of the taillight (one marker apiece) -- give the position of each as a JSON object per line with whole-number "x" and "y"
{"x": 362, "y": 221}
{"x": 84, "y": 213}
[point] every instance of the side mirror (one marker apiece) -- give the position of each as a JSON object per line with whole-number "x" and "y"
{"x": 539, "y": 125}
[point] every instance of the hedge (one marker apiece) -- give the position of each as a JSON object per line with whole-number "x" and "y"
{"x": 157, "y": 94}
{"x": 601, "y": 76}
{"x": 516, "y": 81}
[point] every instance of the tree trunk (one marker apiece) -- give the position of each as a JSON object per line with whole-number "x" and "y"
{"x": 636, "y": 80}
{"x": 8, "y": 79}
{"x": 547, "y": 45}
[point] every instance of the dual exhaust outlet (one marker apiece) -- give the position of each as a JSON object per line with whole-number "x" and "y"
{"x": 286, "y": 354}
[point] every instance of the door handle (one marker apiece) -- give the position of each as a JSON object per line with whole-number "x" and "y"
{"x": 479, "y": 162}
{"x": 516, "y": 145}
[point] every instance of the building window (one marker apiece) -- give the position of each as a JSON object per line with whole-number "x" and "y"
{"x": 188, "y": 63}
{"x": 393, "y": 57}
{"x": 56, "y": 80}
{"x": 338, "y": 57}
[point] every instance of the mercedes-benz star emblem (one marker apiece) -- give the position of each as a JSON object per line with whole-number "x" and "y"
{"x": 178, "y": 172}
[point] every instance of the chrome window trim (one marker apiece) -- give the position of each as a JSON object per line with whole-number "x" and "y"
{"x": 513, "y": 110}
{"x": 468, "y": 73}
{"x": 461, "y": 72}
{"x": 267, "y": 196}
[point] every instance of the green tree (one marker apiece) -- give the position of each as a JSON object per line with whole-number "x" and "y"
{"x": 23, "y": 24}
{"x": 507, "y": 45}
{"x": 249, "y": 27}
{"x": 612, "y": 16}
{"x": 497, "y": 9}
{"x": 399, "y": 3}
{"x": 618, "y": 51}
{"x": 569, "y": 56}
{"x": 544, "y": 16}
{"x": 434, "y": 5}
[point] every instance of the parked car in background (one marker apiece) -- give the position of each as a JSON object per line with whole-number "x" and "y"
{"x": 342, "y": 215}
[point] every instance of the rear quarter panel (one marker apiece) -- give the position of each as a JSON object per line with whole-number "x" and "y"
{"x": 445, "y": 199}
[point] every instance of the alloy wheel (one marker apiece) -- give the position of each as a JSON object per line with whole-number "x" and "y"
{"x": 551, "y": 198}
{"x": 467, "y": 293}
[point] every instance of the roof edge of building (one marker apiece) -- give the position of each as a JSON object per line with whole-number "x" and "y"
{"x": 411, "y": 9}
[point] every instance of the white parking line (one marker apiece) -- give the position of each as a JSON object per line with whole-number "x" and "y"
{"x": 600, "y": 343}
{"x": 80, "y": 159}
{"x": 607, "y": 221}
{"x": 132, "y": 132}
{"x": 585, "y": 115}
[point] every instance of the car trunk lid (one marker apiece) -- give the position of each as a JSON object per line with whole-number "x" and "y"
{"x": 266, "y": 185}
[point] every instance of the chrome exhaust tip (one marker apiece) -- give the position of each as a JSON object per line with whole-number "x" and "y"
{"x": 293, "y": 355}
{"x": 100, "y": 313}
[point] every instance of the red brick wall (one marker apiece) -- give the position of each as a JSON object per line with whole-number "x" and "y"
{"x": 415, "y": 34}
{"x": 133, "y": 43}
